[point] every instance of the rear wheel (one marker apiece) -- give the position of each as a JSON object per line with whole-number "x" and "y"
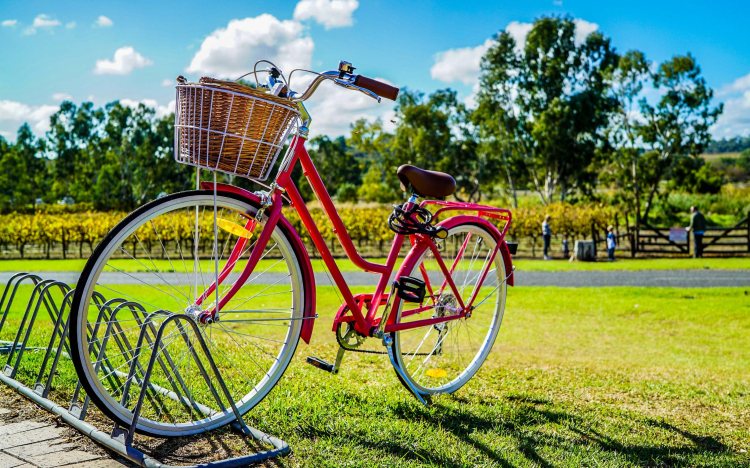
{"x": 158, "y": 262}
{"x": 441, "y": 358}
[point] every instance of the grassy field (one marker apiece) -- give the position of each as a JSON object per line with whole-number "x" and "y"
{"x": 345, "y": 264}
{"x": 578, "y": 377}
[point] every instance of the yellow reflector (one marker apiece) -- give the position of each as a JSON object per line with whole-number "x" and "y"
{"x": 234, "y": 228}
{"x": 436, "y": 373}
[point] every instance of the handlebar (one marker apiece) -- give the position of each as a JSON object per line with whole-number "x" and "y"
{"x": 372, "y": 88}
{"x": 378, "y": 87}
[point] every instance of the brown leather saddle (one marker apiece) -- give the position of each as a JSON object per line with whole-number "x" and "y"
{"x": 426, "y": 183}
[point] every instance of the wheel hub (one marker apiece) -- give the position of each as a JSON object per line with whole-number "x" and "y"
{"x": 446, "y": 306}
{"x": 197, "y": 313}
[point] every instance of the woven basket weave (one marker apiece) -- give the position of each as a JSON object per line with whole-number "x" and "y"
{"x": 229, "y": 127}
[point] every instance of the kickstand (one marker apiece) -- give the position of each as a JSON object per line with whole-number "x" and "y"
{"x": 388, "y": 343}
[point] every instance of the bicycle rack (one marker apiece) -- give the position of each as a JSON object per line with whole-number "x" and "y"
{"x": 121, "y": 439}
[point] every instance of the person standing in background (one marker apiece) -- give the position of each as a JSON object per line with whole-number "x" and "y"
{"x": 611, "y": 242}
{"x": 698, "y": 228}
{"x": 547, "y": 236}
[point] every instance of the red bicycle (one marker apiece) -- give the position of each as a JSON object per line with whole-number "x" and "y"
{"x": 229, "y": 261}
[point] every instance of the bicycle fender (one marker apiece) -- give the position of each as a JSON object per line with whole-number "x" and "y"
{"x": 462, "y": 219}
{"x": 299, "y": 250}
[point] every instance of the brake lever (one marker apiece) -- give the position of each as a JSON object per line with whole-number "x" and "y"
{"x": 348, "y": 85}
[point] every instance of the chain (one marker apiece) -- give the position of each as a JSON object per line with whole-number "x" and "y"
{"x": 353, "y": 348}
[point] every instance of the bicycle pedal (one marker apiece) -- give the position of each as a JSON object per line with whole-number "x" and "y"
{"x": 320, "y": 364}
{"x": 411, "y": 289}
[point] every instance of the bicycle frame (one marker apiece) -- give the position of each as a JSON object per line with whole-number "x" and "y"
{"x": 365, "y": 318}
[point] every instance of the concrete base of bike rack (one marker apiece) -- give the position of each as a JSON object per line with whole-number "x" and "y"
{"x": 116, "y": 441}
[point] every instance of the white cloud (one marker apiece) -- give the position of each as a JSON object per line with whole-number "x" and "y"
{"x": 583, "y": 29}
{"x": 334, "y": 109}
{"x": 41, "y": 21}
{"x": 232, "y": 51}
{"x": 126, "y": 59}
{"x": 459, "y": 64}
{"x": 463, "y": 64}
{"x": 167, "y": 82}
{"x": 161, "y": 111}
{"x": 9, "y": 23}
{"x": 62, "y": 97}
{"x": 103, "y": 22}
{"x": 518, "y": 31}
{"x": 44, "y": 21}
{"x": 70, "y": 25}
{"x": 329, "y": 13}
{"x": 14, "y": 114}
{"x": 735, "y": 120}
{"x": 740, "y": 84}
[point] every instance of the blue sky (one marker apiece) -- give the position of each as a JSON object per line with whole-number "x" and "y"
{"x": 132, "y": 50}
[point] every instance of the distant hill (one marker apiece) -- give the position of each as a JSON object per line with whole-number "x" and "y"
{"x": 732, "y": 145}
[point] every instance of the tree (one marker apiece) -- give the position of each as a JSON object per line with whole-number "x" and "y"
{"x": 435, "y": 134}
{"x": 678, "y": 124}
{"x": 335, "y": 164}
{"x": 550, "y": 99}
{"x": 373, "y": 147}
{"x": 23, "y": 174}
{"x": 73, "y": 142}
{"x": 693, "y": 175}
{"x": 628, "y": 80}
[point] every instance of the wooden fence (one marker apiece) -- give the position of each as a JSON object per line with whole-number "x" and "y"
{"x": 720, "y": 241}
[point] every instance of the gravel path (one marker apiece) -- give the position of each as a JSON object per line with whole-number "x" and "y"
{"x": 652, "y": 278}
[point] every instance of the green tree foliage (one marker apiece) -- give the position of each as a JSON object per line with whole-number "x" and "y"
{"x": 21, "y": 182}
{"x": 553, "y": 115}
{"x": 113, "y": 158}
{"x": 543, "y": 105}
{"x": 434, "y": 133}
{"x": 693, "y": 175}
{"x": 678, "y": 125}
{"x": 373, "y": 147}
{"x": 629, "y": 77}
{"x": 729, "y": 145}
{"x": 335, "y": 163}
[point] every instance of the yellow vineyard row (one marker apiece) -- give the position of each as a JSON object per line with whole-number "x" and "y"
{"x": 365, "y": 225}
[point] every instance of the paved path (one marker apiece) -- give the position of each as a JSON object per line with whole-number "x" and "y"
{"x": 654, "y": 278}
{"x": 29, "y": 444}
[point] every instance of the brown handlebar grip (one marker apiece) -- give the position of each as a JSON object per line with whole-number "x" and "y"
{"x": 378, "y": 87}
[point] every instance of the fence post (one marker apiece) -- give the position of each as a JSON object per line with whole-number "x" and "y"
{"x": 593, "y": 237}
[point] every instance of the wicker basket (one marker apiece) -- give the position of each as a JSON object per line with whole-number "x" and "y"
{"x": 228, "y": 127}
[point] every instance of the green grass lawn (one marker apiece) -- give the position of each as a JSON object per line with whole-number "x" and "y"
{"x": 345, "y": 264}
{"x": 604, "y": 377}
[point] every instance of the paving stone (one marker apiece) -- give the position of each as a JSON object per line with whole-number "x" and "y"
{"x": 52, "y": 460}
{"x": 29, "y": 437}
{"x": 102, "y": 463}
{"x": 22, "y": 426}
{"x": 41, "y": 448}
{"x": 8, "y": 461}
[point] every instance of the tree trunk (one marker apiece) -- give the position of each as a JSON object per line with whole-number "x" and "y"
{"x": 644, "y": 218}
{"x": 511, "y": 184}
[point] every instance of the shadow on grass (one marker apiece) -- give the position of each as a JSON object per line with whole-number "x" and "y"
{"x": 527, "y": 422}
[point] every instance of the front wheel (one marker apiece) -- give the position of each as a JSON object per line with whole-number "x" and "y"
{"x": 441, "y": 358}
{"x": 159, "y": 261}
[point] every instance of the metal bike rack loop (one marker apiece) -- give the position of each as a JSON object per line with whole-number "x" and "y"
{"x": 120, "y": 440}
